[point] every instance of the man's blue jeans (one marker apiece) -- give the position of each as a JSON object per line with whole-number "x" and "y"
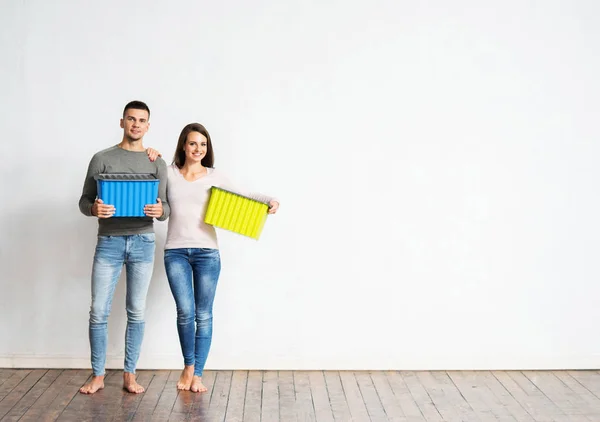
{"x": 136, "y": 252}
{"x": 193, "y": 274}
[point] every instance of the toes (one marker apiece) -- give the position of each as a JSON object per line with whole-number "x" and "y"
{"x": 131, "y": 385}
{"x": 135, "y": 389}
{"x": 198, "y": 388}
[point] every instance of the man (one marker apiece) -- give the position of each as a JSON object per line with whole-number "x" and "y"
{"x": 122, "y": 241}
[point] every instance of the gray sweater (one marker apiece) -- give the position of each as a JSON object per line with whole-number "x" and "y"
{"x": 118, "y": 160}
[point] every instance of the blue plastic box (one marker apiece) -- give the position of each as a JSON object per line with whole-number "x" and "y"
{"x": 128, "y": 193}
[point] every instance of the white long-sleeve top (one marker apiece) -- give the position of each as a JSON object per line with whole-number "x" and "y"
{"x": 188, "y": 202}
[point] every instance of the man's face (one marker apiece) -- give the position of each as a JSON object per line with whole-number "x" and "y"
{"x": 135, "y": 124}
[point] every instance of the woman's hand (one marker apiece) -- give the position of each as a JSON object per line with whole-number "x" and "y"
{"x": 273, "y": 207}
{"x": 153, "y": 154}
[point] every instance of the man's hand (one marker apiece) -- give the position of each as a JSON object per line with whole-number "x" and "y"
{"x": 273, "y": 207}
{"x": 153, "y": 154}
{"x": 101, "y": 210}
{"x": 154, "y": 210}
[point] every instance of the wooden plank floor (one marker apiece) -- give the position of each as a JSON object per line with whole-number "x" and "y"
{"x": 319, "y": 396}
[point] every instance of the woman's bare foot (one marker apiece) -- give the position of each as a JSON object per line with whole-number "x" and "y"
{"x": 97, "y": 383}
{"x": 185, "y": 380}
{"x": 197, "y": 386}
{"x": 130, "y": 384}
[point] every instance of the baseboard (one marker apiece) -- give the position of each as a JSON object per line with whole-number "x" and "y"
{"x": 71, "y": 362}
{"x": 409, "y": 363}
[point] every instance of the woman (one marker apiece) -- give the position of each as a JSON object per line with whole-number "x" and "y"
{"x": 192, "y": 259}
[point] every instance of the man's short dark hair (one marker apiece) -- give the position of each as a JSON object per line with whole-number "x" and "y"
{"x": 137, "y": 105}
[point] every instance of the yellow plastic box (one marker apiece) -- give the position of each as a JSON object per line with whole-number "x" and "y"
{"x": 237, "y": 213}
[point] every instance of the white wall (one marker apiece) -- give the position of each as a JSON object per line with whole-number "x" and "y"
{"x": 437, "y": 167}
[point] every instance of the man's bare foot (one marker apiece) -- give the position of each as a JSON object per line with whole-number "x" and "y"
{"x": 97, "y": 383}
{"x": 130, "y": 384}
{"x": 197, "y": 386}
{"x": 185, "y": 380}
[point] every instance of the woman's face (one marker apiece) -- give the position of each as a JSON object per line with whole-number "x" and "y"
{"x": 195, "y": 147}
